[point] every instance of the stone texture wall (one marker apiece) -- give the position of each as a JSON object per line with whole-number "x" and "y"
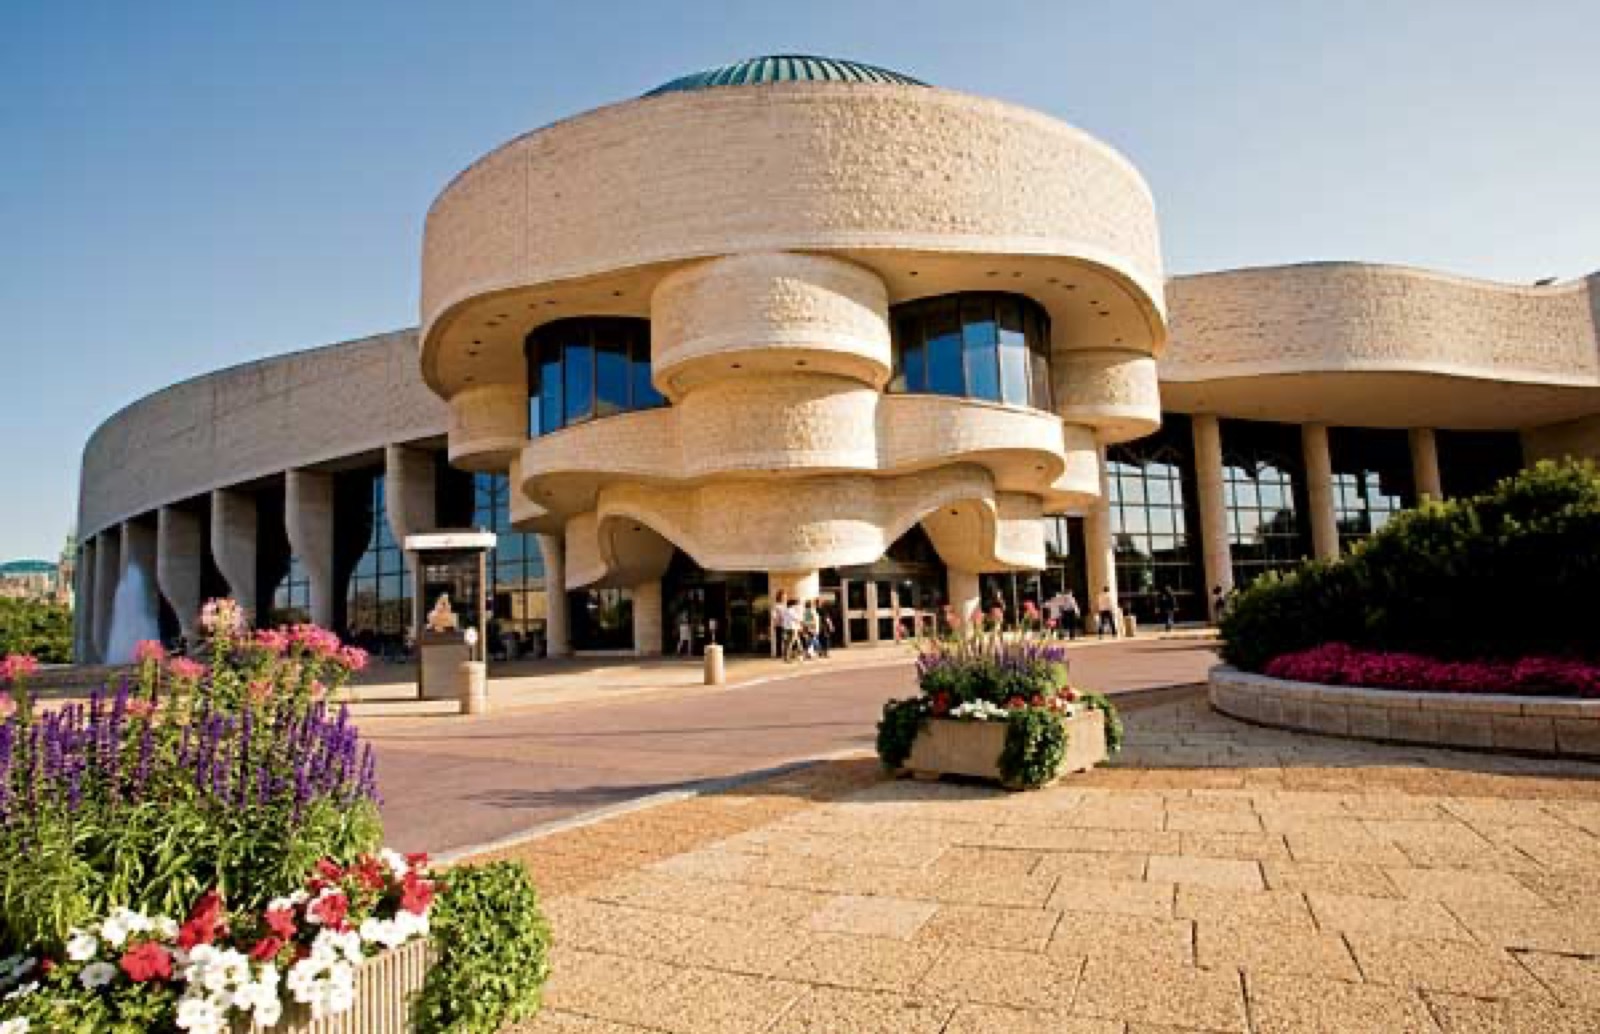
{"x": 1353, "y": 316}
{"x": 254, "y": 420}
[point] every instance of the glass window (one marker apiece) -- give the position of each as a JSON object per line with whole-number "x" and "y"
{"x": 578, "y": 359}
{"x": 552, "y": 409}
{"x": 588, "y": 367}
{"x": 516, "y": 571}
{"x": 943, "y": 333}
{"x": 1150, "y": 519}
{"x": 1372, "y": 480}
{"x": 1013, "y": 353}
{"x": 1261, "y": 480}
{"x": 611, "y": 372}
{"x": 644, "y": 393}
{"x": 979, "y": 340}
{"x": 982, "y": 345}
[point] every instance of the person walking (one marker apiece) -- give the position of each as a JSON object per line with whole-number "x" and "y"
{"x": 824, "y": 630}
{"x": 1169, "y": 607}
{"x": 1106, "y": 604}
{"x": 1071, "y": 614}
{"x": 775, "y": 623}
{"x": 1219, "y": 604}
{"x": 795, "y": 638}
{"x": 685, "y": 635}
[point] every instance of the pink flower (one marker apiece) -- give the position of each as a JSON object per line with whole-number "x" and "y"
{"x": 141, "y": 708}
{"x": 149, "y": 650}
{"x": 260, "y": 690}
{"x": 183, "y": 669}
{"x": 16, "y": 667}
{"x": 273, "y": 640}
{"x": 222, "y": 617}
{"x": 8, "y": 707}
{"x": 353, "y": 657}
{"x": 313, "y": 640}
{"x": 1337, "y": 664}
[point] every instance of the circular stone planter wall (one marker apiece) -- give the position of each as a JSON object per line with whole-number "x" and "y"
{"x": 1550, "y": 726}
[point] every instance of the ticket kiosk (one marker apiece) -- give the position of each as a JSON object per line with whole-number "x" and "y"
{"x": 451, "y": 577}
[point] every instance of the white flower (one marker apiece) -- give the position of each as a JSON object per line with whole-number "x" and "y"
{"x": 24, "y": 991}
{"x": 395, "y": 861}
{"x": 978, "y": 710}
{"x": 200, "y": 1015}
{"x": 288, "y": 904}
{"x": 114, "y": 931}
{"x": 97, "y": 974}
{"x": 81, "y": 945}
{"x": 16, "y": 1026}
{"x": 165, "y": 927}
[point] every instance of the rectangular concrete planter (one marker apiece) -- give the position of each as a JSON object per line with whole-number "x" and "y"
{"x": 385, "y": 985}
{"x": 949, "y": 747}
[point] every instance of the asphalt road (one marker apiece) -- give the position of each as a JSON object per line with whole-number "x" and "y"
{"x": 450, "y": 783}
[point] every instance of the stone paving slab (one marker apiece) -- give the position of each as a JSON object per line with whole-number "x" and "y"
{"x": 833, "y": 901}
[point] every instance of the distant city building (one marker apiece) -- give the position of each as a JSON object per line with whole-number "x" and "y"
{"x": 805, "y": 325}
{"x": 42, "y": 580}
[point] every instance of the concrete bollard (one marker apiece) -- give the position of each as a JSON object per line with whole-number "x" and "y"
{"x": 1130, "y": 625}
{"x": 472, "y": 687}
{"x": 716, "y": 675}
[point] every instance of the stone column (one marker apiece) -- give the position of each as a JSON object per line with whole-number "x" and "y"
{"x": 1216, "y": 551}
{"x": 557, "y": 626}
{"x": 233, "y": 546}
{"x": 1425, "y": 464}
{"x": 1100, "y": 553}
{"x": 409, "y": 497}
{"x": 139, "y": 550}
{"x": 965, "y": 594}
{"x": 83, "y": 609}
{"x": 1319, "y": 490}
{"x": 178, "y": 565}
{"x": 647, "y": 618}
{"x": 308, "y": 519}
{"x": 107, "y": 566}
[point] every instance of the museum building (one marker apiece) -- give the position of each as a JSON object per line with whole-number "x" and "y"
{"x": 811, "y": 325}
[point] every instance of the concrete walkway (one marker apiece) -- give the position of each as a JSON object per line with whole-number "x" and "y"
{"x": 574, "y": 740}
{"x": 1219, "y": 877}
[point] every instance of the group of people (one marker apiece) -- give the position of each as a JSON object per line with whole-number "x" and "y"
{"x": 802, "y": 629}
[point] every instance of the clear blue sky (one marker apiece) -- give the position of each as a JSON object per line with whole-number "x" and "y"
{"x": 189, "y": 185}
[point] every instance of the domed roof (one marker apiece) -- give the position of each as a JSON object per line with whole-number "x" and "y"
{"x": 784, "y": 68}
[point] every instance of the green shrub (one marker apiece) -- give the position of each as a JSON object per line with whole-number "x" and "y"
{"x": 492, "y": 947}
{"x": 1114, "y": 729}
{"x": 35, "y": 628}
{"x": 897, "y": 730}
{"x": 1511, "y": 573}
{"x": 1036, "y": 743}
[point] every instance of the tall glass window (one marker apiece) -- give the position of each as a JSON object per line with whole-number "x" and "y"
{"x": 516, "y": 571}
{"x": 1150, "y": 486}
{"x": 1263, "y": 484}
{"x": 291, "y": 600}
{"x": 983, "y": 345}
{"x": 378, "y": 595}
{"x": 1372, "y": 479}
{"x": 588, "y": 367}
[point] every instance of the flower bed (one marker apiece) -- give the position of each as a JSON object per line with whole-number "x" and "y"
{"x": 223, "y": 790}
{"x": 1336, "y": 664}
{"x": 1017, "y": 679}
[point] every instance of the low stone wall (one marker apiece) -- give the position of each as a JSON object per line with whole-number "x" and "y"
{"x": 1520, "y": 724}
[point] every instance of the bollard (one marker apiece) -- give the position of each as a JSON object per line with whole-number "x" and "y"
{"x": 1130, "y": 625}
{"x": 472, "y": 687}
{"x": 715, "y": 675}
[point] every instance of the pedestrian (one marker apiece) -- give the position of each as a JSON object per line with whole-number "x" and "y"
{"x": 795, "y": 640}
{"x": 1169, "y": 606}
{"x": 776, "y": 619}
{"x": 824, "y": 630}
{"x": 1219, "y": 604}
{"x": 1071, "y": 614}
{"x": 1106, "y": 604}
{"x": 811, "y": 621}
{"x": 685, "y": 635}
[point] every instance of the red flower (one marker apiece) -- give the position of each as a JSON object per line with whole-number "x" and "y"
{"x": 146, "y": 962}
{"x": 266, "y": 949}
{"x": 371, "y": 873}
{"x": 201, "y": 927}
{"x": 417, "y": 860}
{"x": 1037, "y": 701}
{"x": 940, "y": 704}
{"x": 1016, "y": 704}
{"x": 330, "y": 910}
{"x": 281, "y": 922}
{"x": 416, "y": 894}
{"x": 329, "y": 869}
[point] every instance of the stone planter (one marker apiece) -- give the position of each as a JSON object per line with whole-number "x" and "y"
{"x": 385, "y": 985}
{"x": 949, "y": 747}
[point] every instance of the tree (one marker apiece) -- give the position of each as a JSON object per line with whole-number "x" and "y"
{"x": 42, "y": 630}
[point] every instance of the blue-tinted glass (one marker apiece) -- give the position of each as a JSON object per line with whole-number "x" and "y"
{"x": 645, "y": 394}
{"x": 611, "y": 370}
{"x": 978, "y": 334}
{"x": 1039, "y": 352}
{"x": 943, "y": 332}
{"x": 1013, "y": 354}
{"x": 916, "y": 369}
{"x": 551, "y": 411}
{"x": 579, "y": 363}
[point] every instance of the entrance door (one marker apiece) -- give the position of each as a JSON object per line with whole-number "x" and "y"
{"x": 890, "y": 610}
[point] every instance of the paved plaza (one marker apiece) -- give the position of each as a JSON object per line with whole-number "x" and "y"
{"x": 1218, "y": 877}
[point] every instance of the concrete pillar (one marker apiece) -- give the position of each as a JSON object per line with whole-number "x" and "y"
{"x": 965, "y": 595}
{"x": 410, "y": 498}
{"x": 233, "y": 546}
{"x": 83, "y": 610}
{"x": 178, "y": 565}
{"x": 107, "y": 568}
{"x": 1100, "y": 552}
{"x": 139, "y": 550}
{"x": 1319, "y": 490}
{"x": 647, "y": 618}
{"x": 308, "y": 520}
{"x": 1425, "y": 464}
{"x": 557, "y": 623}
{"x": 1216, "y": 552}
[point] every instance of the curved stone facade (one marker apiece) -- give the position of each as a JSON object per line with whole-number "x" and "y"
{"x": 768, "y": 232}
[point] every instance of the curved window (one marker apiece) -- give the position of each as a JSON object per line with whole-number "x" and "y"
{"x": 588, "y": 367}
{"x": 980, "y": 345}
